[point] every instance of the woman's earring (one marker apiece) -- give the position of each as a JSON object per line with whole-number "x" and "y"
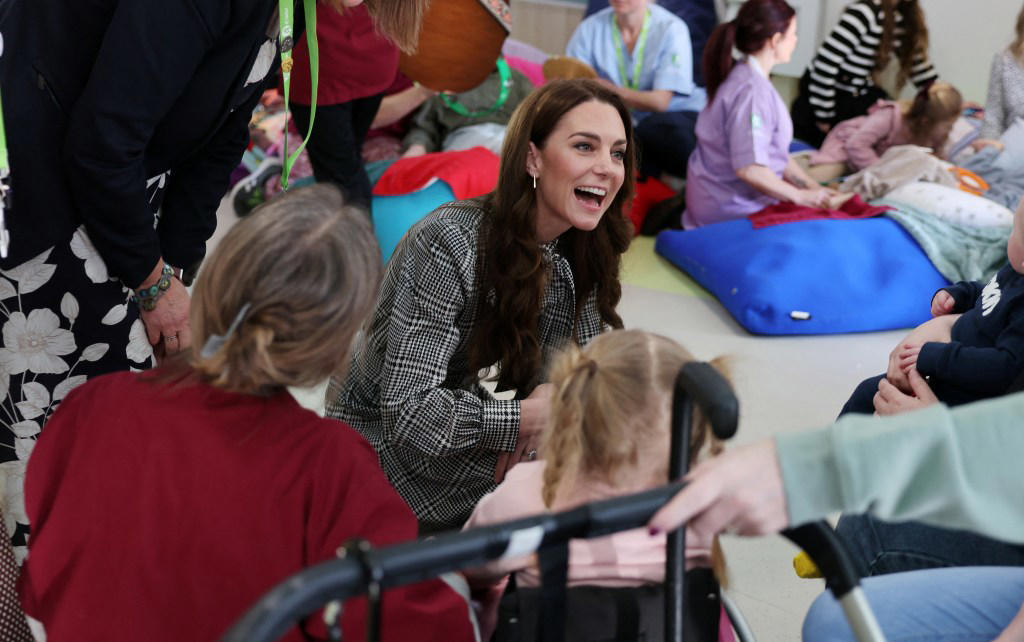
{"x": 534, "y": 181}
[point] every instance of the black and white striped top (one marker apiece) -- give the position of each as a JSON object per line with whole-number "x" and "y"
{"x": 846, "y": 60}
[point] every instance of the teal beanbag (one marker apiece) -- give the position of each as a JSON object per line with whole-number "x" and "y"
{"x": 394, "y": 215}
{"x": 810, "y": 277}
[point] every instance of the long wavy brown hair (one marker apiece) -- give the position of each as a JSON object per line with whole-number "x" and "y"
{"x": 913, "y": 42}
{"x": 511, "y": 270}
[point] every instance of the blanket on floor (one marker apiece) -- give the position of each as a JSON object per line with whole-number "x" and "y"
{"x": 958, "y": 252}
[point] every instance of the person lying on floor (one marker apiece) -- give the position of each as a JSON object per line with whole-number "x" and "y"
{"x": 742, "y": 163}
{"x": 505, "y": 279}
{"x": 164, "y": 504}
{"x": 856, "y": 144}
{"x": 474, "y": 118}
{"x": 609, "y": 435}
{"x": 643, "y": 53}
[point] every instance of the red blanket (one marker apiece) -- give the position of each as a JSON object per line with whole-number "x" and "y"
{"x": 470, "y": 173}
{"x": 785, "y": 212}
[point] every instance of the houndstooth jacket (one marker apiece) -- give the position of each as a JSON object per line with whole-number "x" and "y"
{"x": 409, "y": 389}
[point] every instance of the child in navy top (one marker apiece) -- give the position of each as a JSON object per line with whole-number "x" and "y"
{"x": 984, "y": 351}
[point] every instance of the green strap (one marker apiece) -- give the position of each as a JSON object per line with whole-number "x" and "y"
{"x": 287, "y": 20}
{"x": 641, "y": 44}
{"x": 5, "y": 190}
{"x": 505, "y": 75}
{"x": 5, "y": 168}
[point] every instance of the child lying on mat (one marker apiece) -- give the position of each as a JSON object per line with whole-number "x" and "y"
{"x": 855, "y": 144}
{"x": 608, "y": 435}
{"x": 973, "y": 348}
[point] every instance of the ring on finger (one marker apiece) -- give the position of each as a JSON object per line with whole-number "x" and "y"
{"x": 532, "y": 454}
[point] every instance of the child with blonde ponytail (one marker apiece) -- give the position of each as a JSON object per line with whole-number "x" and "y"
{"x": 609, "y": 435}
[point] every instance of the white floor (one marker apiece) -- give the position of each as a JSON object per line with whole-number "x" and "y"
{"x": 784, "y": 384}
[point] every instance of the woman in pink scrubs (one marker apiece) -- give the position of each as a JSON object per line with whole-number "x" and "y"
{"x": 742, "y": 163}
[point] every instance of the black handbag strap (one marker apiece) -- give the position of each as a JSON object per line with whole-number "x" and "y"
{"x": 554, "y": 575}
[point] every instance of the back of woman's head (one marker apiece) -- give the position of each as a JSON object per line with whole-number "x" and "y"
{"x": 932, "y": 113}
{"x": 511, "y": 260}
{"x": 752, "y": 28}
{"x": 611, "y": 412}
{"x": 307, "y": 265}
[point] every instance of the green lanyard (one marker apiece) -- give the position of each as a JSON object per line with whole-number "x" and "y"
{"x": 641, "y": 42}
{"x": 5, "y": 172}
{"x": 505, "y": 75}
{"x": 286, "y": 39}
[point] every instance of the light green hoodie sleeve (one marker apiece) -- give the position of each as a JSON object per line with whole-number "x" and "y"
{"x": 959, "y": 468}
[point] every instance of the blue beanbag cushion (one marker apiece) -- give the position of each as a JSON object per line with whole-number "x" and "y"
{"x": 810, "y": 277}
{"x": 394, "y": 215}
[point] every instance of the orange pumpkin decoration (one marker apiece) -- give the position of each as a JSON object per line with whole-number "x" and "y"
{"x": 459, "y": 44}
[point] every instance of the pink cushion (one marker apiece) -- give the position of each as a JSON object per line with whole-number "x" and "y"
{"x": 532, "y": 70}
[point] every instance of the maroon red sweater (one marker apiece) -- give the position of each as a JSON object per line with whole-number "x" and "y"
{"x": 163, "y": 512}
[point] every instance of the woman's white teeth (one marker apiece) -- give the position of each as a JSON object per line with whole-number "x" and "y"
{"x": 597, "y": 191}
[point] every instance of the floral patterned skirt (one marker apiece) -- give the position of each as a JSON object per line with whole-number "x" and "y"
{"x": 65, "y": 319}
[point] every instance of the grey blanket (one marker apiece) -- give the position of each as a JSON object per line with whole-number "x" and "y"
{"x": 959, "y": 252}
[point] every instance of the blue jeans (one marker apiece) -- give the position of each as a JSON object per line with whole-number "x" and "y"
{"x": 877, "y": 547}
{"x": 944, "y": 604}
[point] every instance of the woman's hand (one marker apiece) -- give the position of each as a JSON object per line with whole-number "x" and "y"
{"x": 739, "y": 492}
{"x": 533, "y": 419}
{"x": 890, "y": 400}
{"x": 167, "y": 325}
{"x": 817, "y": 197}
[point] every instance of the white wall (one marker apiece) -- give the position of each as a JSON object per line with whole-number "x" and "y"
{"x": 964, "y": 34}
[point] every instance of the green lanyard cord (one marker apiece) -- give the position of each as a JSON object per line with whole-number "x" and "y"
{"x": 505, "y": 75}
{"x": 5, "y": 191}
{"x": 5, "y": 168}
{"x": 641, "y": 43}
{"x": 286, "y": 39}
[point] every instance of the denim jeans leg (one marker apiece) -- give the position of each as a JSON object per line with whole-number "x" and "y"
{"x": 878, "y": 547}
{"x": 940, "y": 605}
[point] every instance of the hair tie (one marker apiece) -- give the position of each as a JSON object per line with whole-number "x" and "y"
{"x": 217, "y": 341}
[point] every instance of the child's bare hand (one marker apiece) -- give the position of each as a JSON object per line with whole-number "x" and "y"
{"x": 942, "y": 303}
{"x": 908, "y": 358}
{"x": 894, "y": 373}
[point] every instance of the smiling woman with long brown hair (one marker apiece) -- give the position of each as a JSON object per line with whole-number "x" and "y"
{"x": 503, "y": 281}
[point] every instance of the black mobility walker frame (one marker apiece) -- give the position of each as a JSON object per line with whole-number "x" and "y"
{"x": 368, "y": 571}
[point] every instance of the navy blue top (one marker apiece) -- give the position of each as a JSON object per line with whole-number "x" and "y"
{"x": 986, "y": 352}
